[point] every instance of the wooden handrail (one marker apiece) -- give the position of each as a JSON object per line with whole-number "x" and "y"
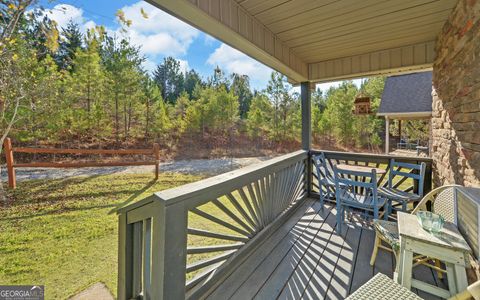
{"x": 199, "y": 192}
{"x": 11, "y": 165}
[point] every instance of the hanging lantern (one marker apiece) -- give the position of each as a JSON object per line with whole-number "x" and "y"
{"x": 362, "y": 105}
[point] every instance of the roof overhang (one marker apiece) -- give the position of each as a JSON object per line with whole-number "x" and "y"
{"x": 407, "y": 115}
{"x": 323, "y": 40}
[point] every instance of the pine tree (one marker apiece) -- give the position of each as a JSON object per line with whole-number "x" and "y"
{"x": 192, "y": 80}
{"x": 170, "y": 79}
{"x": 70, "y": 40}
{"x": 241, "y": 88}
{"x": 87, "y": 89}
{"x": 127, "y": 83}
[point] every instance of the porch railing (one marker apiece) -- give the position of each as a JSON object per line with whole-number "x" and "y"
{"x": 378, "y": 161}
{"x": 181, "y": 242}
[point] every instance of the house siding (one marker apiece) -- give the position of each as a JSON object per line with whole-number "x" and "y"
{"x": 456, "y": 98}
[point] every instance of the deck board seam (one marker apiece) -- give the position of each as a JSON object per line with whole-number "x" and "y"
{"x": 350, "y": 232}
{"x": 355, "y": 263}
{"x": 292, "y": 246}
{"x": 316, "y": 210}
{"x": 309, "y": 203}
{"x": 316, "y": 263}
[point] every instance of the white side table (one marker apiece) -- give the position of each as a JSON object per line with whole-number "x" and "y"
{"x": 449, "y": 246}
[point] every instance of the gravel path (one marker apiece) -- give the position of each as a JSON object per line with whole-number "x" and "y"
{"x": 195, "y": 166}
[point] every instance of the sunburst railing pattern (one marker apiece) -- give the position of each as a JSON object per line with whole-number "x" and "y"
{"x": 232, "y": 220}
{"x": 180, "y": 242}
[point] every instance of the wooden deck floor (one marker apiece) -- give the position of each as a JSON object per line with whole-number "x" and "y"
{"x": 307, "y": 259}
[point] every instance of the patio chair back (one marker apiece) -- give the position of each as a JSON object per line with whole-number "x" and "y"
{"x": 359, "y": 186}
{"x": 354, "y": 189}
{"x": 417, "y": 173}
{"x": 443, "y": 202}
{"x": 321, "y": 166}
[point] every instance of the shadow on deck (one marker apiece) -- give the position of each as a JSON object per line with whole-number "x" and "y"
{"x": 306, "y": 259}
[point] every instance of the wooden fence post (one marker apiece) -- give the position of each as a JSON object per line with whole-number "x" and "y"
{"x": 156, "y": 152}
{"x": 12, "y": 181}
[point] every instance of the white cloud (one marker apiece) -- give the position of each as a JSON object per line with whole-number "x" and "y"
{"x": 233, "y": 60}
{"x": 87, "y": 26}
{"x": 64, "y": 13}
{"x": 160, "y": 33}
{"x": 184, "y": 66}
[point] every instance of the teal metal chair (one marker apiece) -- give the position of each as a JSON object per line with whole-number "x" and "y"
{"x": 326, "y": 182}
{"x": 393, "y": 193}
{"x": 357, "y": 190}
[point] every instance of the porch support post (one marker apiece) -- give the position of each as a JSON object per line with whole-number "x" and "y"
{"x": 387, "y": 135}
{"x": 306, "y": 116}
{"x": 307, "y": 132}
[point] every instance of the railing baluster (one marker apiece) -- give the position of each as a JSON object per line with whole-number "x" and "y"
{"x": 250, "y": 209}
{"x": 256, "y": 205}
{"x": 147, "y": 244}
{"x": 240, "y": 210}
{"x": 228, "y": 212}
{"x": 137, "y": 258}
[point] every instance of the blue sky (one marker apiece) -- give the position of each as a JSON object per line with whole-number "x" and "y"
{"x": 161, "y": 35}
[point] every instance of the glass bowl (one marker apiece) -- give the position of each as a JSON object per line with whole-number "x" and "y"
{"x": 430, "y": 221}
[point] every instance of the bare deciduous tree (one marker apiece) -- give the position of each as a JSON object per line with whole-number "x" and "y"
{"x": 12, "y": 83}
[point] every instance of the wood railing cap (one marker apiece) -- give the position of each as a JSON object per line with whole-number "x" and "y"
{"x": 374, "y": 155}
{"x": 229, "y": 180}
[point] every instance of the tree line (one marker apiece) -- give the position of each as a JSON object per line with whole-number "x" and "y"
{"x": 91, "y": 87}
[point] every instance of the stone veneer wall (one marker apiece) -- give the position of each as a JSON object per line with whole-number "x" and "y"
{"x": 456, "y": 98}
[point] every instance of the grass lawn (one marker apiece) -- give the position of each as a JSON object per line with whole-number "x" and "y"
{"x": 61, "y": 234}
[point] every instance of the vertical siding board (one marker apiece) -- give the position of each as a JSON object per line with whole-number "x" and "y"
{"x": 385, "y": 59}
{"x": 258, "y": 36}
{"x": 286, "y": 55}
{"x": 204, "y": 5}
{"x": 338, "y": 67}
{"x": 329, "y": 68}
{"x": 355, "y": 64}
{"x": 419, "y": 54}
{"x": 292, "y": 59}
{"x": 278, "y": 48}
{"x": 269, "y": 42}
{"x": 242, "y": 23}
{"x": 375, "y": 61}
{"x": 249, "y": 27}
{"x": 321, "y": 70}
{"x": 234, "y": 18}
{"x": 215, "y": 9}
{"x": 347, "y": 65}
{"x": 365, "y": 63}
{"x": 225, "y": 12}
{"x": 304, "y": 66}
{"x": 407, "y": 56}
{"x": 396, "y": 58}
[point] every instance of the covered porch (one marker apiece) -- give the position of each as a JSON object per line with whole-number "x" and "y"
{"x": 258, "y": 232}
